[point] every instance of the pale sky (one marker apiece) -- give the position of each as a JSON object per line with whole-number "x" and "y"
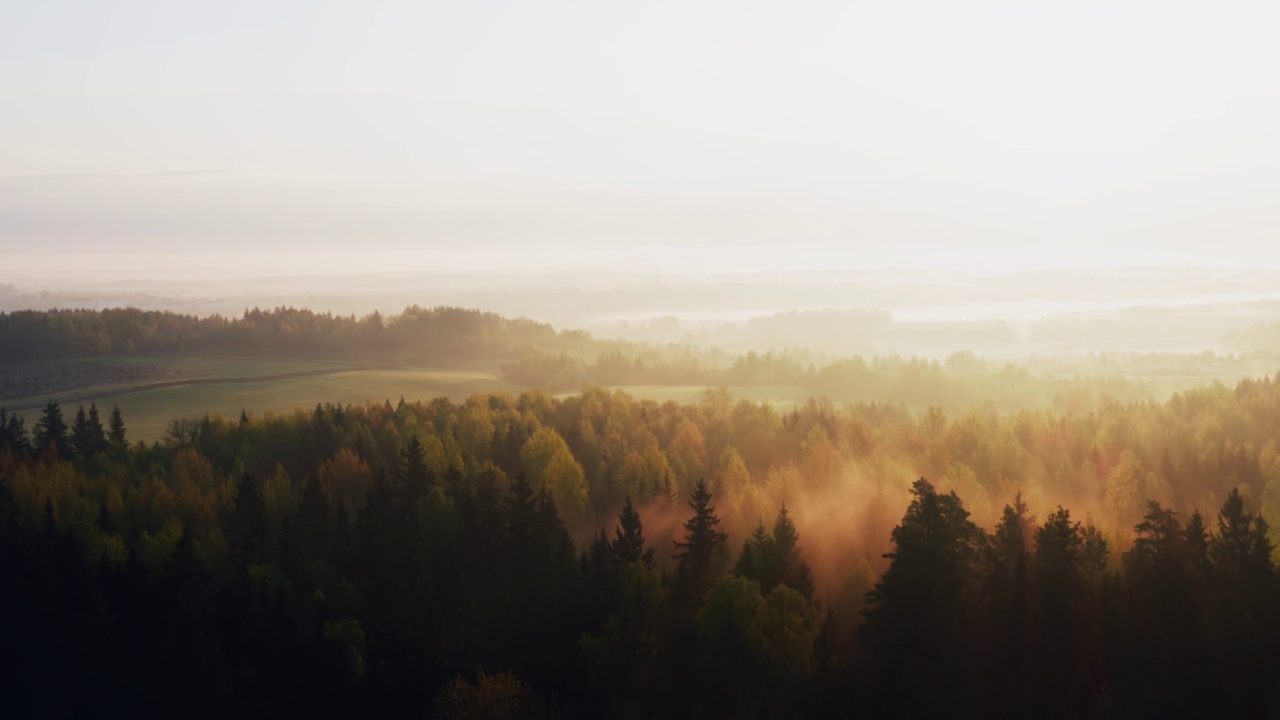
{"x": 174, "y": 139}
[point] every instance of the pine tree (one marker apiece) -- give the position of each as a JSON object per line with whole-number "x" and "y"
{"x": 1240, "y": 551}
{"x": 792, "y": 570}
{"x": 520, "y": 508}
{"x": 755, "y": 553}
{"x": 97, "y": 437}
{"x": 1159, "y": 547}
{"x": 414, "y": 477}
{"x": 52, "y": 430}
{"x": 116, "y": 432}
{"x": 628, "y": 545}
{"x": 1007, "y": 560}
{"x": 702, "y": 556}
{"x": 81, "y": 436}
{"x": 1197, "y": 545}
{"x": 13, "y": 433}
{"x": 920, "y": 611}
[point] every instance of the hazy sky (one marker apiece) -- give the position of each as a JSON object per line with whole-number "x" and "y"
{"x": 183, "y": 139}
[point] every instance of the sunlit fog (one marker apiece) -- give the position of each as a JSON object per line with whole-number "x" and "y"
{"x": 150, "y": 140}
{"x": 730, "y": 359}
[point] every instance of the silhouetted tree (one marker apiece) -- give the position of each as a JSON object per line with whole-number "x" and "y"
{"x": 87, "y": 437}
{"x": 116, "y": 430}
{"x": 414, "y": 477}
{"x": 628, "y": 544}
{"x": 702, "y": 555}
{"x": 52, "y": 430}
{"x": 919, "y": 615}
{"x": 13, "y": 433}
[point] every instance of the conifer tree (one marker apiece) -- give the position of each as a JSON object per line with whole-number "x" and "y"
{"x": 792, "y": 570}
{"x": 81, "y": 436}
{"x": 13, "y": 433}
{"x": 116, "y": 431}
{"x": 628, "y": 545}
{"x": 755, "y": 552}
{"x": 702, "y": 556}
{"x": 520, "y": 508}
{"x": 414, "y": 477}
{"x": 97, "y": 436}
{"x": 52, "y": 430}
{"x": 919, "y": 613}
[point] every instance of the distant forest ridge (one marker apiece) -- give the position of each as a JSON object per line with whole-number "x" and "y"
{"x": 535, "y": 354}
{"x": 32, "y": 335}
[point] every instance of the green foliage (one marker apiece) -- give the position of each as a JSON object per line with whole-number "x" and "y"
{"x": 491, "y": 697}
{"x": 276, "y": 563}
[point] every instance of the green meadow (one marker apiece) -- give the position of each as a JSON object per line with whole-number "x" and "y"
{"x": 216, "y": 385}
{"x": 224, "y": 386}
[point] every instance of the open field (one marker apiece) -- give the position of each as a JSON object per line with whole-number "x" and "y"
{"x": 192, "y": 386}
{"x": 208, "y": 385}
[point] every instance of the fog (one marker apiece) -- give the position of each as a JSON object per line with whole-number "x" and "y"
{"x": 141, "y": 141}
{"x": 833, "y": 313}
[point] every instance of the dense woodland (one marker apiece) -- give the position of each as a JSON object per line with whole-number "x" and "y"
{"x": 524, "y": 556}
{"x": 538, "y": 356}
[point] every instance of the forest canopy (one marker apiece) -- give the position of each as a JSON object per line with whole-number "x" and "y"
{"x": 599, "y": 554}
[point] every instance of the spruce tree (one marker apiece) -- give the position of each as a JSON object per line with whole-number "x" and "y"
{"x": 755, "y": 552}
{"x": 115, "y": 427}
{"x": 414, "y": 477}
{"x": 919, "y": 613}
{"x": 1241, "y": 550}
{"x": 792, "y": 570}
{"x": 628, "y": 545}
{"x": 52, "y": 430}
{"x": 97, "y": 437}
{"x": 81, "y": 435}
{"x": 13, "y": 433}
{"x": 702, "y": 556}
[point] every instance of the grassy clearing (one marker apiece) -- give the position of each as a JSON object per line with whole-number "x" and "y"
{"x": 147, "y": 413}
{"x": 226, "y": 385}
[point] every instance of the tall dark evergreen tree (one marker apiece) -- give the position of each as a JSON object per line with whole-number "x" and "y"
{"x": 87, "y": 436}
{"x": 116, "y": 430}
{"x": 1007, "y": 581}
{"x": 1064, "y": 564}
{"x": 52, "y": 430}
{"x": 920, "y": 614}
{"x": 1248, "y": 605}
{"x": 773, "y": 558}
{"x": 81, "y": 440}
{"x": 97, "y": 435}
{"x": 628, "y": 543}
{"x": 755, "y": 553}
{"x": 13, "y": 433}
{"x": 703, "y": 555}
{"x": 1240, "y": 551}
{"x": 792, "y": 570}
{"x": 412, "y": 474}
{"x": 521, "y": 510}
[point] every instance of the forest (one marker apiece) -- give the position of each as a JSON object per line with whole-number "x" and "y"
{"x": 603, "y": 556}
{"x": 536, "y": 355}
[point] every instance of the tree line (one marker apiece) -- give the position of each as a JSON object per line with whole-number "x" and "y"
{"x": 490, "y": 559}
{"x": 33, "y": 335}
{"x": 534, "y": 354}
